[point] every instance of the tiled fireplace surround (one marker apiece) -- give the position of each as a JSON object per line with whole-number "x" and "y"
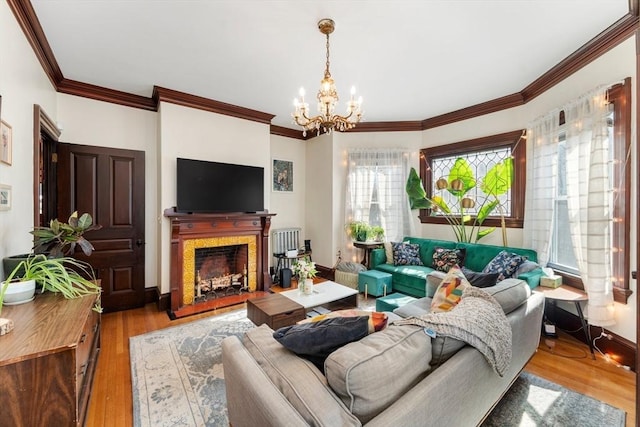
{"x": 217, "y": 260}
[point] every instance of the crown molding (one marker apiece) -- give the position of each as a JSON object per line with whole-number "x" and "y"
{"x": 596, "y": 47}
{"x": 86, "y": 90}
{"x": 603, "y": 42}
{"x": 161, "y": 94}
{"x": 28, "y": 21}
{"x": 288, "y": 132}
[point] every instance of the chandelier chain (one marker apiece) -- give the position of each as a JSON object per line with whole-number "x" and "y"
{"x": 326, "y": 70}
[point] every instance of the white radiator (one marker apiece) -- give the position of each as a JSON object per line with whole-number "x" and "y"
{"x": 282, "y": 240}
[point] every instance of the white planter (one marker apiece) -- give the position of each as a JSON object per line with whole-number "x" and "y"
{"x": 19, "y": 292}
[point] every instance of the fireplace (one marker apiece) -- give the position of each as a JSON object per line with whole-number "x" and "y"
{"x": 217, "y": 260}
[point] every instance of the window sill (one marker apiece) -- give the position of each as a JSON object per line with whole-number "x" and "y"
{"x": 620, "y": 295}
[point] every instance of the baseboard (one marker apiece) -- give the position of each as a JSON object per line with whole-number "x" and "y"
{"x": 620, "y": 348}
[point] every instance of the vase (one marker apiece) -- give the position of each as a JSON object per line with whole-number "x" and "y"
{"x": 307, "y": 287}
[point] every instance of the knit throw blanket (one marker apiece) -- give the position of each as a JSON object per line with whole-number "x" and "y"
{"x": 479, "y": 321}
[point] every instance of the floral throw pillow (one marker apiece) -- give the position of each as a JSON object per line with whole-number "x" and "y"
{"x": 505, "y": 264}
{"x": 444, "y": 259}
{"x": 406, "y": 254}
{"x": 450, "y": 291}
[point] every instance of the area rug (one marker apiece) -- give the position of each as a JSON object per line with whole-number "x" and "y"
{"x": 178, "y": 380}
{"x": 533, "y": 401}
{"x": 176, "y": 373}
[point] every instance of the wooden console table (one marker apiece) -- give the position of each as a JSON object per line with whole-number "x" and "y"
{"x": 47, "y": 362}
{"x": 367, "y": 247}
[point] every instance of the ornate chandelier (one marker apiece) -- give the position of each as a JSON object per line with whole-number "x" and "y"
{"x": 327, "y": 100}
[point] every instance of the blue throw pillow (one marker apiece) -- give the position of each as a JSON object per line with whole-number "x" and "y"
{"x": 406, "y": 254}
{"x": 505, "y": 264}
{"x": 444, "y": 259}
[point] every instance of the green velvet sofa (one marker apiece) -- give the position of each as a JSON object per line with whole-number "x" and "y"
{"x": 410, "y": 279}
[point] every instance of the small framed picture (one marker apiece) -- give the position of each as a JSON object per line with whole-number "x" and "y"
{"x": 5, "y": 197}
{"x": 282, "y": 175}
{"x": 6, "y": 142}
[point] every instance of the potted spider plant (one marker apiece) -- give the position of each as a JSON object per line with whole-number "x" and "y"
{"x": 70, "y": 277}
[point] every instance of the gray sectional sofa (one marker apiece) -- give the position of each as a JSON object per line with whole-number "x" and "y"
{"x": 409, "y": 279}
{"x": 398, "y": 376}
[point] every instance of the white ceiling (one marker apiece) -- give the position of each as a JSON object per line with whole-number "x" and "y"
{"x": 410, "y": 60}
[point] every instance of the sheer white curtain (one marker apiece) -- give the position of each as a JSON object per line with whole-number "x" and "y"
{"x": 375, "y": 192}
{"x": 589, "y": 195}
{"x": 590, "y": 201}
{"x": 542, "y": 178}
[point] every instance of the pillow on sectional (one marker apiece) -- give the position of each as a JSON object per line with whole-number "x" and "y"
{"x": 406, "y": 254}
{"x": 505, "y": 264}
{"x": 377, "y": 321}
{"x": 450, "y": 290}
{"x": 444, "y": 259}
{"x": 388, "y": 251}
{"x": 479, "y": 279}
{"x": 298, "y": 380}
{"x": 315, "y": 341}
{"x": 373, "y": 373}
{"x": 526, "y": 267}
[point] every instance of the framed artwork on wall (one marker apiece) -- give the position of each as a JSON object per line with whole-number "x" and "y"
{"x": 6, "y": 142}
{"x": 282, "y": 175}
{"x": 5, "y": 197}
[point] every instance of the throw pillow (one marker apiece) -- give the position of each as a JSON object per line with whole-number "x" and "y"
{"x": 450, "y": 290}
{"x": 505, "y": 264}
{"x": 444, "y": 259}
{"x": 526, "y": 267}
{"x": 479, "y": 279}
{"x": 315, "y": 341}
{"x": 406, "y": 254}
{"x": 388, "y": 251}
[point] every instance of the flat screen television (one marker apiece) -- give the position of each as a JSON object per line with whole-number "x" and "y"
{"x": 212, "y": 187}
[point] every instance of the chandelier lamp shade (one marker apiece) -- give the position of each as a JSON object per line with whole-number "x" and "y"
{"x": 327, "y": 97}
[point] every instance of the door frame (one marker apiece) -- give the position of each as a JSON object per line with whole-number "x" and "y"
{"x": 42, "y": 123}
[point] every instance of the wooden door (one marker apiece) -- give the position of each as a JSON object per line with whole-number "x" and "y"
{"x": 109, "y": 184}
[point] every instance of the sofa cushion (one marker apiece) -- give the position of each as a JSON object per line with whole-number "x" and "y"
{"x": 408, "y": 279}
{"x": 505, "y": 264}
{"x": 406, "y": 254}
{"x": 479, "y": 279}
{"x": 450, "y": 291}
{"x": 444, "y": 259}
{"x": 301, "y": 383}
{"x": 510, "y": 293}
{"x": 370, "y": 374}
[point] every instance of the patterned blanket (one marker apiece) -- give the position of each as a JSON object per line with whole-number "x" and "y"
{"x": 477, "y": 320}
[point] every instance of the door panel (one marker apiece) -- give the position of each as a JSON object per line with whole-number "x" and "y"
{"x": 109, "y": 184}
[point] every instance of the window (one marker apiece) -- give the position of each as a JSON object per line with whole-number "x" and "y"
{"x": 481, "y": 155}
{"x": 375, "y": 190}
{"x": 561, "y": 255}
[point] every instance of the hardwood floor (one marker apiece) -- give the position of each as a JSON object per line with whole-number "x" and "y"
{"x": 564, "y": 361}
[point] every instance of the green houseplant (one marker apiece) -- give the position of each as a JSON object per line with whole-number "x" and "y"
{"x": 376, "y": 233}
{"x": 359, "y": 230}
{"x": 57, "y": 240}
{"x": 61, "y": 238}
{"x": 68, "y": 276}
{"x": 461, "y": 180}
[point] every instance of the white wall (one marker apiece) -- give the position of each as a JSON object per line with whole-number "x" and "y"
{"x": 196, "y": 134}
{"x": 289, "y": 207}
{"x": 23, "y": 84}
{"x": 88, "y": 122}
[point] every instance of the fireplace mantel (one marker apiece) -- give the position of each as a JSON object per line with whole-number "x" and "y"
{"x": 186, "y": 228}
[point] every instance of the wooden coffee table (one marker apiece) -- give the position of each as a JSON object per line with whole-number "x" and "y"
{"x": 289, "y": 307}
{"x": 274, "y": 310}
